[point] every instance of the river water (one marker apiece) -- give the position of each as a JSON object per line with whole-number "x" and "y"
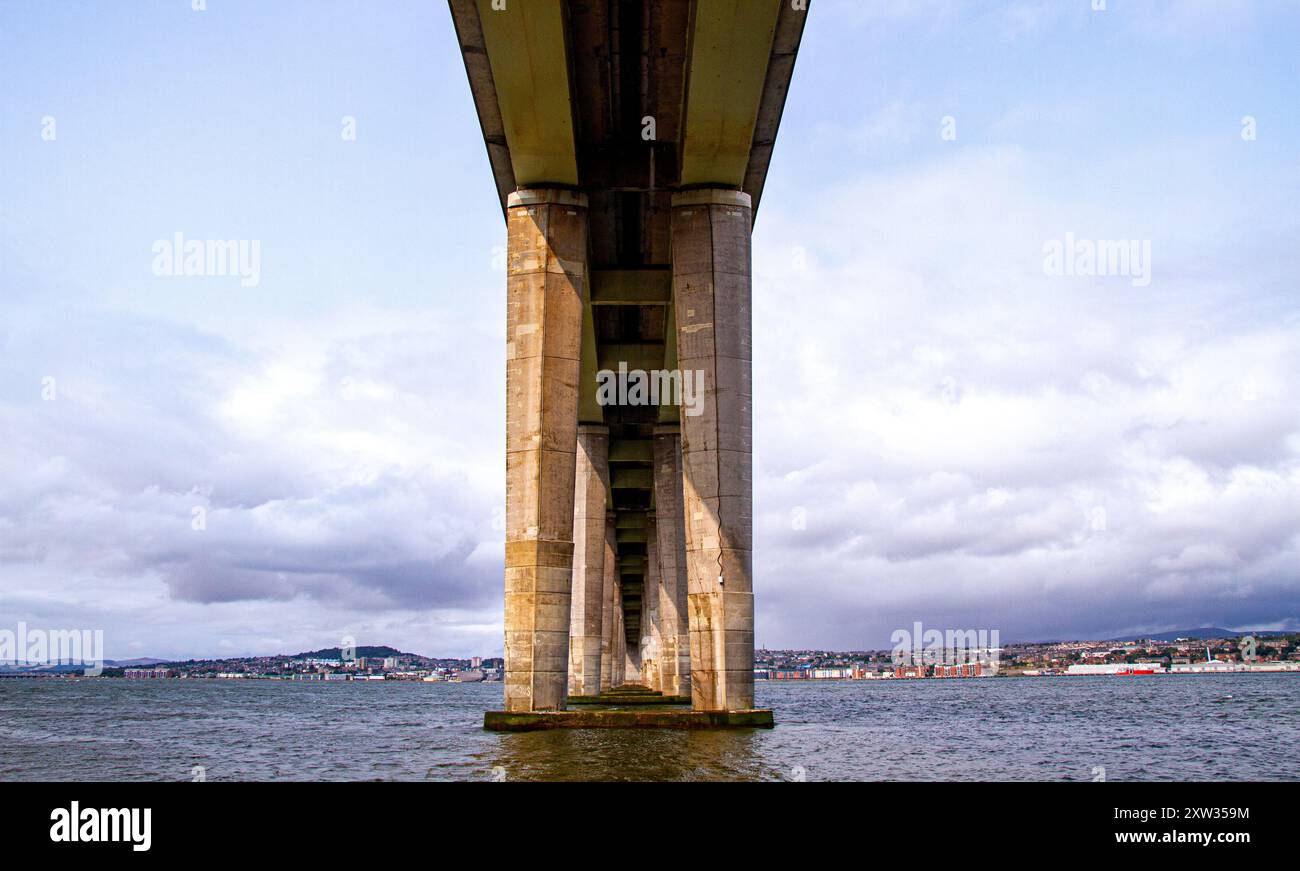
{"x": 1186, "y": 727}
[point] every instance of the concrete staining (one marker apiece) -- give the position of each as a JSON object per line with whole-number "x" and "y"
{"x": 629, "y": 142}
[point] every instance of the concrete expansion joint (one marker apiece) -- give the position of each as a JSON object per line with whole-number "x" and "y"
{"x": 547, "y": 196}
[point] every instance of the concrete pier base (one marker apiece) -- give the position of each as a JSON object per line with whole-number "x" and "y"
{"x": 616, "y": 701}
{"x": 630, "y": 695}
{"x": 532, "y": 721}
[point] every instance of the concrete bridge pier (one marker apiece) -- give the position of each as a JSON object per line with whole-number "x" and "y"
{"x": 618, "y": 674}
{"x": 670, "y": 546}
{"x": 609, "y": 601}
{"x": 546, "y": 275}
{"x": 590, "y": 497}
{"x": 651, "y": 642}
{"x": 711, "y": 295}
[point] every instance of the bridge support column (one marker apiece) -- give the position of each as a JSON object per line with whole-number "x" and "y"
{"x": 590, "y": 498}
{"x": 670, "y": 544}
{"x": 618, "y": 671}
{"x": 610, "y": 606}
{"x": 651, "y": 612}
{"x": 545, "y": 287}
{"x": 711, "y": 295}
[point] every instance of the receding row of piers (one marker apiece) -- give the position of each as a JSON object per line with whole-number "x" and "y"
{"x": 571, "y": 628}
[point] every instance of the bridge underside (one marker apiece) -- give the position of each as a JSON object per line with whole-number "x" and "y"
{"x": 629, "y": 142}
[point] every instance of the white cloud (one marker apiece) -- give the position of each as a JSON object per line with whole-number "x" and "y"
{"x": 974, "y": 442}
{"x": 323, "y": 501}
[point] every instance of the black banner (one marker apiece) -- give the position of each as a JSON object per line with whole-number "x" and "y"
{"x": 141, "y": 821}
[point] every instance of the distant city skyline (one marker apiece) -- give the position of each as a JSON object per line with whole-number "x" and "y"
{"x": 1166, "y": 637}
{"x": 950, "y": 425}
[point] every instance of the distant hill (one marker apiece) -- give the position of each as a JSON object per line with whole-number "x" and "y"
{"x": 1201, "y": 634}
{"x": 362, "y": 650}
{"x": 66, "y": 668}
{"x": 1210, "y": 632}
{"x": 367, "y": 651}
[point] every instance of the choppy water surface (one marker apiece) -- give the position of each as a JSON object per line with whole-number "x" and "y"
{"x": 1213, "y": 727}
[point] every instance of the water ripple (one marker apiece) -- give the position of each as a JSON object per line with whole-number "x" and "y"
{"x": 1194, "y": 727}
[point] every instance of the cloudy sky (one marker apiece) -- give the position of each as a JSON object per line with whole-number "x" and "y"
{"x": 944, "y": 431}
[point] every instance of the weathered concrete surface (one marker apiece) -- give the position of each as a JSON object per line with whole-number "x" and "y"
{"x": 633, "y": 689}
{"x": 623, "y": 701}
{"x": 711, "y": 292}
{"x": 630, "y": 694}
{"x": 615, "y": 633}
{"x": 510, "y": 721}
{"x": 670, "y": 548}
{"x": 651, "y": 642}
{"x": 547, "y": 254}
{"x": 590, "y": 496}
{"x": 620, "y": 674}
{"x": 609, "y": 606}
